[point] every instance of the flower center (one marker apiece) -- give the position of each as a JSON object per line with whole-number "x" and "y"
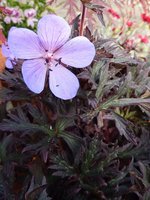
{"x": 48, "y": 57}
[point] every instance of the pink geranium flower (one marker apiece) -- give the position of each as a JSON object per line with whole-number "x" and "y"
{"x": 50, "y": 52}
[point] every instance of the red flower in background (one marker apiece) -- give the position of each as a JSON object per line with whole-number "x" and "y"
{"x": 5, "y": 11}
{"x": 129, "y": 23}
{"x": 143, "y": 38}
{"x": 145, "y": 17}
{"x": 113, "y": 29}
{"x": 114, "y": 13}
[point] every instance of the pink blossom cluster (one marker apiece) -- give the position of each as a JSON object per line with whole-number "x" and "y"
{"x": 16, "y": 16}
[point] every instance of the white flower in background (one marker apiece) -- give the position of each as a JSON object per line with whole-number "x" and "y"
{"x": 4, "y": 3}
{"x": 31, "y": 3}
{"x": 30, "y": 12}
{"x": 7, "y": 20}
{"x": 31, "y": 22}
{"x": 30, "y": 15}
{"x": 15, "y": 16}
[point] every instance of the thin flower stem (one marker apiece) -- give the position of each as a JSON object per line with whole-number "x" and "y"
{"x": 82, "y": 20}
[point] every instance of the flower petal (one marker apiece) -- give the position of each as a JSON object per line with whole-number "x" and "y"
{"x": 5, "y": 50}
{"x": 24, "y": 43}
{"x": 34, "y": 74}
{"x": 53, "y": 32}
{"x": 78, "y": 52}
{"x": 63, "y": 83}
{"x": 9, "y": 64}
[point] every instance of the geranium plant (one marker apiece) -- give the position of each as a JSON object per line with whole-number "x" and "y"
{"x": 74, "y": 106}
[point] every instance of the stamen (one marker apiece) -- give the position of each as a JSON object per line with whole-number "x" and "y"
{"x": 59, "y": 61}
{"x": 47, "y": 60}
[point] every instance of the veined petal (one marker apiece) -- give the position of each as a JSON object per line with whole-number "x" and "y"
{"x": 63, "y": 83}
{"x": 53, "y": 32}
{"x": 78, "y": 52}
{"x": 24, "y": 44}
{"x": 34, "y": 74}
{"x": 5, "y": 50}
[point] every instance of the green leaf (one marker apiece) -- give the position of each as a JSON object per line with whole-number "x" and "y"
{"x": 124, "y": 102}
{"x": 35, "y": 190}
{"x": 125, "y": 128}
{"x": 62, "y": 124}
{"x": 98, "y": 9}
{"x": 75, "y": 27}
{"x": 73, "y": 141}
{"x": 20, "y": 122}
{"x": 103, "y": 78}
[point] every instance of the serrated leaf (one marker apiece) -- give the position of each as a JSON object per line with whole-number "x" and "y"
{"x": 125, "y": 128}
{"x": 38, "y": 146}
{"x": 96, "y": 69}
{"x": 34, "y": 190}
{"x": 122, "y": 59}
{"x": 9, "y": 125}
{"x": 44, "y": 196}
{"x": 7, "y": 140}
{"x": 103, "y": 78}
{"x": 98, "y": 9}
{"x": 146, "y": 174}
{"x": 62, "y": 124}
{"x": 73, "y": 141}
{"x": 75, "y": 27}
{"x": 125, "y": 102}
{"x": 16, "y": 88}
{"x": 20, "y": 122}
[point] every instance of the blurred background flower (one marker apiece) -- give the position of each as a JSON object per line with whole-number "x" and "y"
{"x": 30, "y": 14}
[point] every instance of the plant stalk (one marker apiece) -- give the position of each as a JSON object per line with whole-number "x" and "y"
{"x": 82, "y": 20}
